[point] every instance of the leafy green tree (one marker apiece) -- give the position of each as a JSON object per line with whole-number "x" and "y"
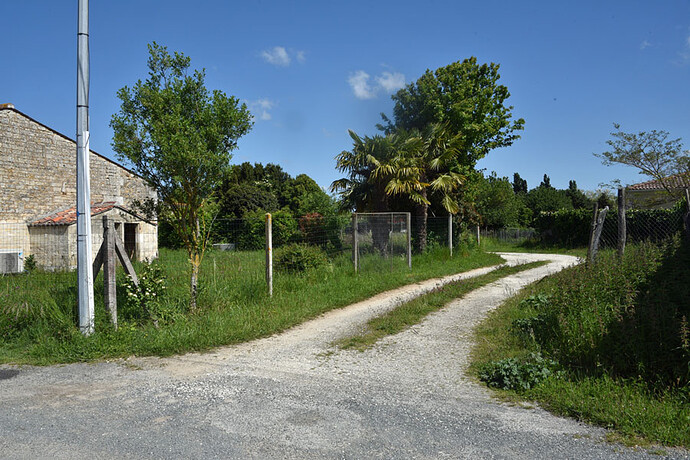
{"x": 467, "y": 98}
{"x": 547, "y": 199}
{"x": 577, "y": 196}
{"x": 653, "y": 153}
{"x": 519, "y": 184}
{"x": 179, "y": 136}
{"x": 465, "y": 102}
{"x": 546, "y": 182}
{"x": 239, "y": 199}
{"x": 497, "y": 202}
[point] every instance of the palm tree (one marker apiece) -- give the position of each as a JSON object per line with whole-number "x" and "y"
{"x": 420, "y": 163}
{"x": 360, "y": 190}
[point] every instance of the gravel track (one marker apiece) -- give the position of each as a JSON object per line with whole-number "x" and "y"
{"x": 294, "y": 396}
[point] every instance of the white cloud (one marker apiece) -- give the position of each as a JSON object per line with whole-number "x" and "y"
{"x": 391, "y": 82}
{"x": 386, "y": 81}
{"x": 260, "y": 108}
{"x": 282, "y": 57}
{"x": 276, "y": 56}
{"x": 359, "y": 81}
{"x": 645, "y": 44}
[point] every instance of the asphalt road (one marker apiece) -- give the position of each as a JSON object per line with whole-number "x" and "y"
{"x": 295, "y": 396}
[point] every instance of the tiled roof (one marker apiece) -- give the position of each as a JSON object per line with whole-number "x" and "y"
{"x": 679, "y": 181}
{"x": 69, "y": 216}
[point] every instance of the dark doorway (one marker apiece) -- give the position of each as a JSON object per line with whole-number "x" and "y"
{"x": 131, "y": 240}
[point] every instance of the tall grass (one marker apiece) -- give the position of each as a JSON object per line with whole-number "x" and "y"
{"x": 618, "y": 333}
{"x": 38, "y": 314}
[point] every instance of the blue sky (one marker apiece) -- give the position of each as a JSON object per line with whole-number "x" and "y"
{"x": 311, "y": 70}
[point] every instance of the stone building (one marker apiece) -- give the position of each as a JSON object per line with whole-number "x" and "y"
{"x": 654, "y": 194}
{"x": 38, "y": 196}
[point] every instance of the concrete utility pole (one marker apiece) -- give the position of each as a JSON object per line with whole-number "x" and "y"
{"x": 84, "y": 250}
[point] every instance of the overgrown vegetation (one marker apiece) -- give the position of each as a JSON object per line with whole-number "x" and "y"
{"x": 414, "y": 311}
{"x": 38, "y": 314}
{"x": 614, "y": 338}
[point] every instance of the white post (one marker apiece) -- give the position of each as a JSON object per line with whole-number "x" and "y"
{"x": 84, "y": 250}
{"x": 269, "y": 254}
{"x": 450, "y": 233}
{"x": 409, "y": 239}
{"x": 478, "y": 236}
{"x": 355, "y": 244}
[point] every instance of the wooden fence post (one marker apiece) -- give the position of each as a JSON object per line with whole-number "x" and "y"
{"x": 269, "y": 254}
{"x": 596, "y": 235}
{"x": 591, "y": 233}
{"x": 622, "y": 225}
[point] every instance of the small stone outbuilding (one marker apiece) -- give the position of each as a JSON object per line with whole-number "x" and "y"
{"x": 38, "y": 196}
{"x": 654, "y": 194}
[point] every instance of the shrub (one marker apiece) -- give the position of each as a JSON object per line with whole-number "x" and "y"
{"x": 298, "y": 257}
{"x": 146, "y": 301}
{"x": 513, "y": 374}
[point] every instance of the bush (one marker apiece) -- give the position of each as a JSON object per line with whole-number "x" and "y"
{"x": 146, "y": 301}
{"x": 297, "y": 258}
{"x": 512, "y": 374}
{"x": 629, "y": 317}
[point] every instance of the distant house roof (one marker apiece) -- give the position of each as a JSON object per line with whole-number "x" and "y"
{"x": 69, "y": 216}
{"x": 679, "y": 181}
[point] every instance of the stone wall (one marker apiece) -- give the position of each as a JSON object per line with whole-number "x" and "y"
{"x": 38, "y": 172}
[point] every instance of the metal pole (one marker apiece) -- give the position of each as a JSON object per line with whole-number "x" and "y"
{"x": 269, "y": 254}
{"x": 84, "y": 250}
{"x": 478, "y": 236}
{"x": 450, "y": 233}
{"x": 355, "y": 248}
{"x": 409, "y": 239}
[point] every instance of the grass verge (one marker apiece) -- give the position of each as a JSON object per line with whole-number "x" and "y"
{"x": 607, "y": 345}
{"x": 38, "y": 314}
{"x": 412, "y": 312}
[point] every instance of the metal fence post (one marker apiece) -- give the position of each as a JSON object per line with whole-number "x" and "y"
{"x": 409, "y": 239}
{"x": 478, "y": 236}
{"x": 450, "y": 233}
{"x": 622, "y": 226}
{"x": 269, "y": 254}
{"x": 355, "y": 249}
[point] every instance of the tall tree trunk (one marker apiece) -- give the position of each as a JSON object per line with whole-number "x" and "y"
{"x": 420, "y": 225}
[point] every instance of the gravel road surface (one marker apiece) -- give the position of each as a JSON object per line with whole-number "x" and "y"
{"x": 294, "y": 396}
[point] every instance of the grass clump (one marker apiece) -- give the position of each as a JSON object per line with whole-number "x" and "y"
{"x": 414, "y": 311}
{"x": 617, "y": 335}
